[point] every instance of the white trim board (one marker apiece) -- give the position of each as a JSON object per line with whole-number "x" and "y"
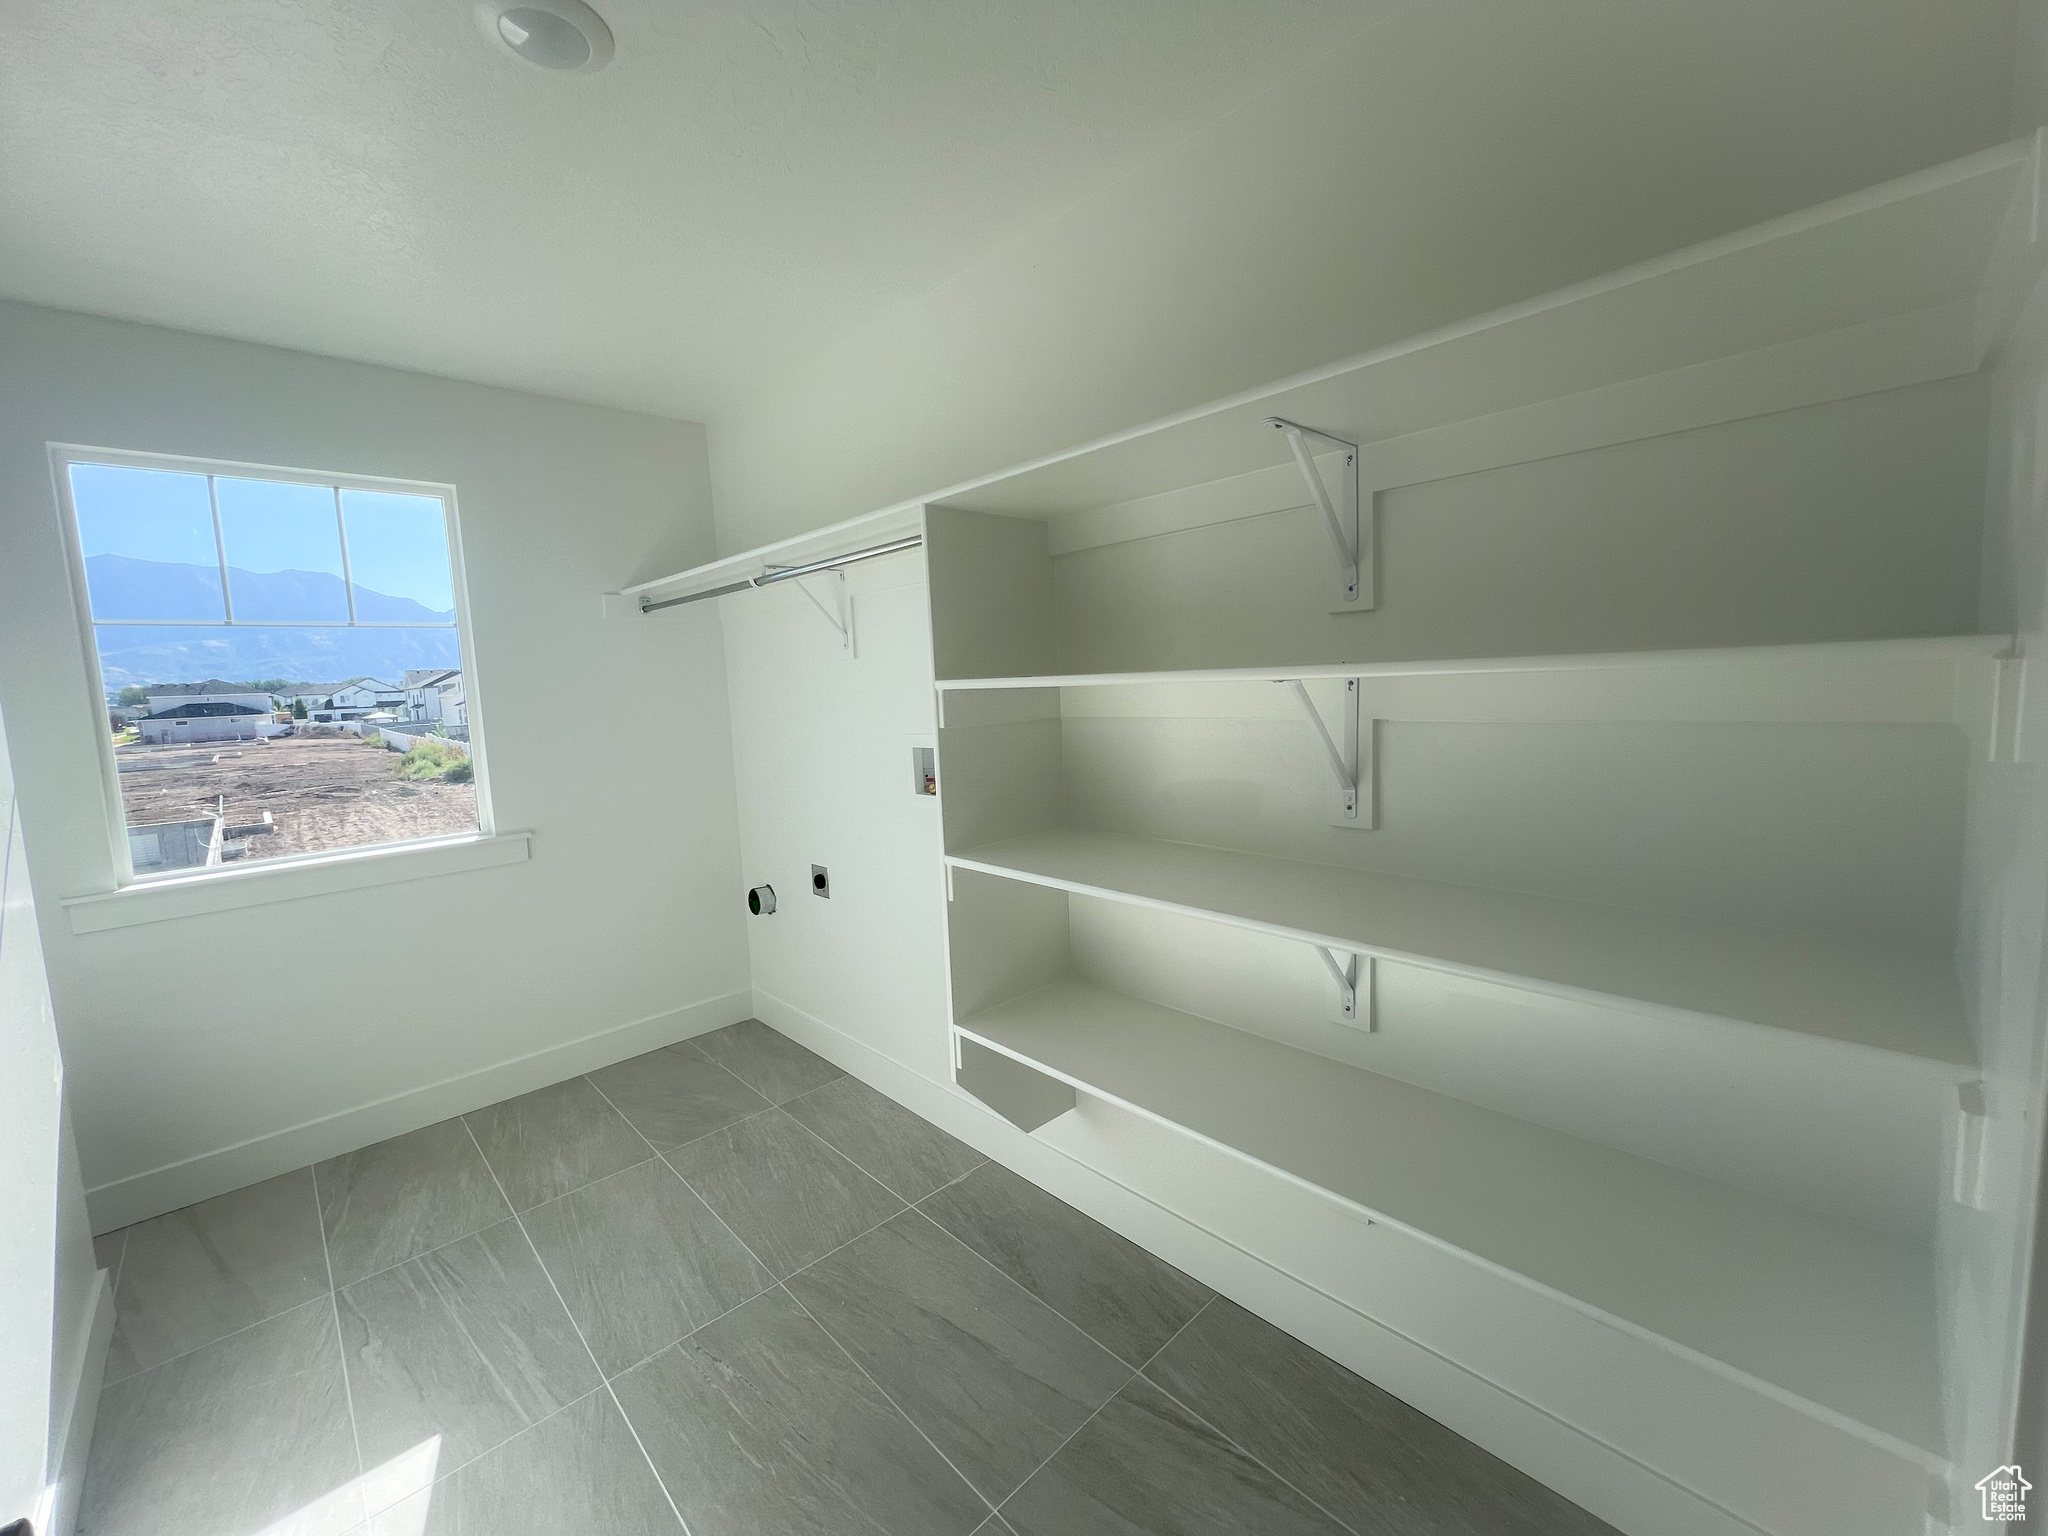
{"x": 1801, "y": 1476}
{"x": 78, "y": 1405}
{"x": 263, "y": 881}
{"x": 182, "y": 1183}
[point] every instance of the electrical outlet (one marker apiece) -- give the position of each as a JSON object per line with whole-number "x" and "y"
{"x": 821, "y": 881}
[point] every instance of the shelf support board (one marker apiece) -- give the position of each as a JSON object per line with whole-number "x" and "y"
{"x": 1350, "y": 535}
{"x": 1022, "y": 1095}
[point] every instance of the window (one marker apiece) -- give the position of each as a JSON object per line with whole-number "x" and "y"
{"x": 282, "y": 656}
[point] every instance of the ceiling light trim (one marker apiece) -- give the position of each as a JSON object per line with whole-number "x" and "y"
{"x": 499, "y": 20}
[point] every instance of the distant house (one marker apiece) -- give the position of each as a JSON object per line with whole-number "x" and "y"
{"x": 426, "y": 696}
{"x": 312, "y": 695}
{"x": 169, "y": 696}
{"x": 353, "y": 700}
{"x": 209, "y": 720}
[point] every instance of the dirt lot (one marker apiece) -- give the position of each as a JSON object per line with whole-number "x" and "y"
{"x": 337, "y": 793}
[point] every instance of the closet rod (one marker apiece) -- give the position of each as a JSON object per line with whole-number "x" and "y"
{"x": 787, "y": 572}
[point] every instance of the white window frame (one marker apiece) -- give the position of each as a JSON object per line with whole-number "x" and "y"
{"x": 178, "y": 893}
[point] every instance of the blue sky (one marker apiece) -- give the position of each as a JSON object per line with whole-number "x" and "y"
{"x": 397, "y": 544}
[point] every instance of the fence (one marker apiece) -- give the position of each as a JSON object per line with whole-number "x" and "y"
{"x": 400, "y": 741}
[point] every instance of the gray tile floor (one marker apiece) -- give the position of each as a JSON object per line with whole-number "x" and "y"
{"x": 721, "y": 1289}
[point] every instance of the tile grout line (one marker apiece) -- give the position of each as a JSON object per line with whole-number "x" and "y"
{"x": 834, "y": 1146}
{"x": 121, "y": 1268}
{"x": 916, "y": 1204}
{"x": 1119, "y": 1392}
{"x": 355, "y": 1430}
{"x": 841, "y": 1152}
{"x": 684, "y": 1338}
{"x": 995, "y": 1507}
{"x": 1055, "y": 1311}
{"x": 604, "y": 1382}
{"x": 902, "y": 1412}
{"x": 310, "y": 1301}
{"x": 1243, "y": 1450}
{"x": 428, "y": 1253}
{"x": 441, "y": 1475}
{"x": 782, "y": 1285}
{"x": 661, "y": 1157}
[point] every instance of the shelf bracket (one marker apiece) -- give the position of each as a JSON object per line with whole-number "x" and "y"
{"x": 1354, "y": 986}
{"x": 1350, "y": 535}
{"x": 1352, "y": 760}
{"x": 840, "y": 614}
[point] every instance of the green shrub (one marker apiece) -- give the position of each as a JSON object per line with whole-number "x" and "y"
{"x": 436, "y": 758}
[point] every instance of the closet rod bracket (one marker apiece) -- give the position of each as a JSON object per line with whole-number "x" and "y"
{"x": 1351, "y": 533}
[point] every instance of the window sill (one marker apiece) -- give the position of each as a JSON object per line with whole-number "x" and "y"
{"x": 253, "y": 885}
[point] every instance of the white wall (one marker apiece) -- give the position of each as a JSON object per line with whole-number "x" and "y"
{"x": 1450, "y": 158}
{"x": 821, "y": 745}
{"x": 621, "y": 934}
{"x": 55, "y": 1318}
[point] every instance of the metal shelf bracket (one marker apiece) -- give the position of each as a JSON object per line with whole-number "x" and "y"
{"x": 1351, "y": 535}
{"x": 840, "y": 614}
{"x": 1352, "y": 760}
{"x": 1354, "y": 986}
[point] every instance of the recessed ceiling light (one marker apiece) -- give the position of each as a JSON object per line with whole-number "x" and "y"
{"x": 554, "y": 34}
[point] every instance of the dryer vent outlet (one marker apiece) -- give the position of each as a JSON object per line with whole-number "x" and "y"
{"x": 761, "y": 900}
{"x": 821, "y": 881}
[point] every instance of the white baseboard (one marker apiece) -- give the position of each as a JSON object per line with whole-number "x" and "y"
{"x": 1597, "y": 1470}
{"x": 77, "y": 1408}
{"x": 191, "y": 1179}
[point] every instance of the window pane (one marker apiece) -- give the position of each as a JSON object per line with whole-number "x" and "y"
{"x": 144, "y": 654}
{"x": 292, "y": 731}
{"x": 147, "y": 536}
{"x": 398, "y": 555}
{"x": 212, "y": 771}
{"x": 284, "y": 551}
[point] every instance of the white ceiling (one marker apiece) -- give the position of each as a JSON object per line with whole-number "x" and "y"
{"x": 372, "y": 179}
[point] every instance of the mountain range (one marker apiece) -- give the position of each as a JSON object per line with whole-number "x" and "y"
{"x": 122, "y": 586}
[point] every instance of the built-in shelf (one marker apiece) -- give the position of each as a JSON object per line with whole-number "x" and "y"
{"x": 1945, "y": 680}
{"x": 1875, "y": 995}
{"x": 1778, "y": 1292}
{"x": 1934, "y": 245}
{"x": 1916, "y": 665}
{"x": 1923, "y": 277}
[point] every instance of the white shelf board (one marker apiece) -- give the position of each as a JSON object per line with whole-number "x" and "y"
{"x": 1951, "y": 679}
{"x": 1869, "y": 995}
{"x": 1918, "y": 243}
{"x": 1826, "y": 1312}
{"x": 819, "y": 544}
